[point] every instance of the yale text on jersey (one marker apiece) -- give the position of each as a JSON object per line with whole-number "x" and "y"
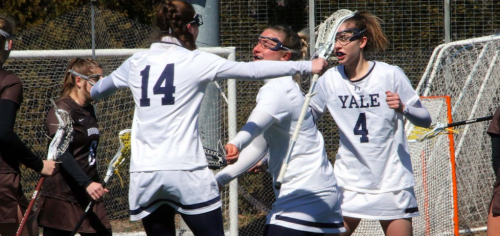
{"x": 359, "y": 101}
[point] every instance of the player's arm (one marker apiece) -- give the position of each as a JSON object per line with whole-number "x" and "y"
{"x": 111, "y": 83}
{"x": 416, "y": 114}
{"x": 268, "y": 69}
{"x": 248, "y": 157}
{"x": 318, "y": 101}
{"x": 10, "y": 138}
{"x": 406, "y": 101}
{"x": 495, "y": 154}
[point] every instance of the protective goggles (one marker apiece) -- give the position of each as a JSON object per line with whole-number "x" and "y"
{"x": 346, "y": 36}
{"x": 197, "y": 19}
{"x": 273, "y": 44}
{"x": 92, "y": 79}
{"x": 7, "y": 37}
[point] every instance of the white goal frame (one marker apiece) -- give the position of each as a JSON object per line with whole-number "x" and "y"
{"x": 227, "y": 52}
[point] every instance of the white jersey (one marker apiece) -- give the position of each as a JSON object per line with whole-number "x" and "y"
{"x": 373, "y": 154}
{"x": 309, "y": 168}
{"x": 168, "y": 83}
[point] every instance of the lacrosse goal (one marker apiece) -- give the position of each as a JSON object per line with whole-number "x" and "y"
{"x": 453, "y": 172}
{"x": 41, "y": 73}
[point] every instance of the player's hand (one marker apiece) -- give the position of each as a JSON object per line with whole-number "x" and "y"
{"x": 48, "y": 168}
{"x": 95, "y": 190}
{"x": 319, "y": 66}
{"x": 257, "y": 168}
{"x": 232, "y": 153}
{"x": 394, "y": 101}
{"x": 220, "y": 187}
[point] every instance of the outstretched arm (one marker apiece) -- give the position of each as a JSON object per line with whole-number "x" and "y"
{"x": 109, "y": 84}
{"x": 269, "y": 69}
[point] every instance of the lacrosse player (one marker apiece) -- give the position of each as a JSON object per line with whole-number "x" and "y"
{"x": 13, "y": 203}
{"x": 368, "y": 100}
{"x": 168, "y": 84}
{"x": 308, "y": 200}
{"x": 75, "y": 181}
{"x": 494, "y": 212}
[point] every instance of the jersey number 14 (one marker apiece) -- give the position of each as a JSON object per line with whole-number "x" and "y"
{"x": 360, "y": 128}
{"x": 167, "y": 90}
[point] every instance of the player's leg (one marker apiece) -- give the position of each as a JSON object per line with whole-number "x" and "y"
{"x": 494, "y": 213}
{"x": 12, "y": 206}
{"x": 209, "y": 223}
{"x": 350, "y": 224}
{"x": 160, "y": 222}
{"x": 493, "y": 224}
{"x": 398, "y": 227}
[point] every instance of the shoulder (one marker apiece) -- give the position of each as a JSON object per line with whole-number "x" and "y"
{"x": 65, "y": 103}
{"x": 8, "y": 79}
{"x": 383, "y": 67}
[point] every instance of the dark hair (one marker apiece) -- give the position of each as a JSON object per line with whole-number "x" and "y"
{"x": 172, "y": 18}
{"x": 82, "y": 66}
{"x": 377, "y": 41}
{"x": 297, "y": 43}
{"x": 8, "y": 26}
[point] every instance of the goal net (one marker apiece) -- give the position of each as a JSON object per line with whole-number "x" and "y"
{"x": 468, "y": 72}
{"x": 453, "y": 172}
{"x": 42, "y": 72}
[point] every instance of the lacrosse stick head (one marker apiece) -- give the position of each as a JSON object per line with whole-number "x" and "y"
{"x": 327, "y": 31}
{"x": 63, "y": 136}
{"x": 216, "y": 158}
{"x": 121, "y": 156}
{"x": 420, "y": 134}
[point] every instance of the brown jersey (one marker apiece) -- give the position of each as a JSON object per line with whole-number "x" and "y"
{"x": 83, "y": 148}
{"x": 495, "y": 123}
{"x": 10, "y": 89}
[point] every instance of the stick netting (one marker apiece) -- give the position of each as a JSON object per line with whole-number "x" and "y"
{"x": 468, "y": 72}
{"x": 433, "y": 169}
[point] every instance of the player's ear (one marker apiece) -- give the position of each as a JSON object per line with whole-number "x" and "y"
{"x": 286, "y": 56}
{"x": 79, "y": 82}
{"x": 362, "y": 42}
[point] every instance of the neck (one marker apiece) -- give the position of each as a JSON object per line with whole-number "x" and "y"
{"x": 78, "y": 99}
{"x": 358, "y": 70}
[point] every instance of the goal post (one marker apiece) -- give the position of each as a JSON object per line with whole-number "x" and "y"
{"x": 468, "y": 71}
{"x": 453, "y": 173}
{"x": 42, "y": 73}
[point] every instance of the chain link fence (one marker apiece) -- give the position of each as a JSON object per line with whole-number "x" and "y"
{"x": 414, "y": 28}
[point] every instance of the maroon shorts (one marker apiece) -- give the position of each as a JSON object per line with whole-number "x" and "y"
{"x": 495, "y": 200}
{"x": 11, "y": 196}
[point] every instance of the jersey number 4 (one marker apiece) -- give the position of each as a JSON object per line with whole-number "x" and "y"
{"x": 167, "y": 90}
{"x": 360, "y": 128}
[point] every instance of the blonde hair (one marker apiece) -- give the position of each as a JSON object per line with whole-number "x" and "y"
{"x": 82, "y": 66}
{"x": 377, "y": 40}
{"x": 298, "y": 43}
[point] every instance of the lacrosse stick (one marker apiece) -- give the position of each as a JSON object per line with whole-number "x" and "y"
{"x": 326, "y": 38}
{"x": 440, "y": 128}
{"x": 58, "y": 146}
{"x": 216, "y": 159}
{"x": 114, "y": 165}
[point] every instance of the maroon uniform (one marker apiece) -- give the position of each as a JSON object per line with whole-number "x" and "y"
{"x": 494, "y": 132}
{"x": 12, "y": 150}
{"x": 63, "y": 199}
